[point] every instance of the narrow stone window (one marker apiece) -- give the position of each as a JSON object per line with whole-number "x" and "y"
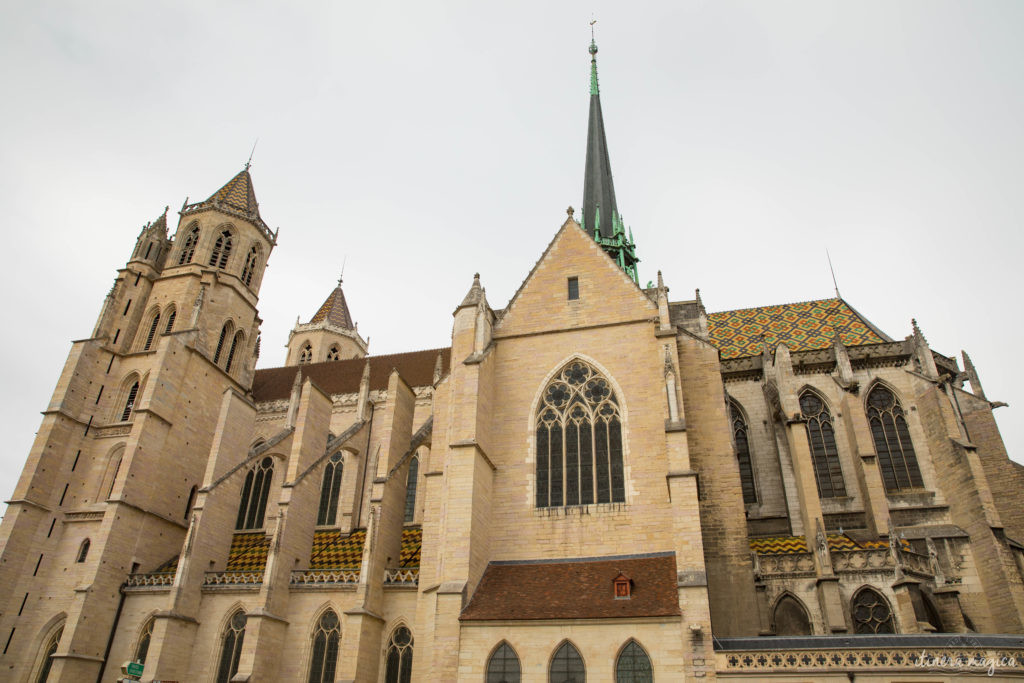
{"x": 188, "y": 248}
{"x": 48, "y": 652}
{"x": 152, "y": 332}
{"x": 822, "y": 438}
{"x": 633, "y": 665}
{"x": 149, "y": 248}
{"x": 567, "y": 665}
{"x": 170, "y": 321}
{"x": 231, "y": 648}
{"x": 574, "y": 288}
{"x": 221, "y": 250}
{"x": 325, "y": 648}
{"x": 142, "y": 649}
{"x": 503, "y": 666}
{"x": 191, "y": 501}
{"x": 410, "y": 489}
{"x": 330, "y": 488}
{"x": 579, "y": 440}
{"x": 250, "y": 265}
{"x": 83, "y": 551}
{"x": 255, "y": 492}
{"x": 896, "y": 457}
{"x": 871, "y": 613}
{"x": 742, "y": 445}
{"x": 224, "y": 331}
{"x": 129, "y": 404}
{"x": 231, "y": 352}
{"x": 398, "y": 663}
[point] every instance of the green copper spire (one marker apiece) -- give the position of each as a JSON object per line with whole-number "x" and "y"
{"x": 600, "y": 215}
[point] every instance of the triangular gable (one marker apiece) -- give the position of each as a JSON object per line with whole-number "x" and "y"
{"x": 607, "y": 294}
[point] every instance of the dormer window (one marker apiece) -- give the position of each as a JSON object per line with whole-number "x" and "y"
{"x": 623, "y": 587}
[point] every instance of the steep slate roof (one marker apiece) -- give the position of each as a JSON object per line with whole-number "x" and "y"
{"x": 801, "y": 326}
{"x": 342, "y": 376}
{"x": 598, "y": 189}
{"x": 575, "y": 589}
{"x": 334, "y": 310}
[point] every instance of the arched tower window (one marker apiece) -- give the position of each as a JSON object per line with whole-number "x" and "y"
{"x": 871, "y": 612}
{"x": 633, "y": 665}
{"x": 238, "y": 339}
{"x": 329, "y": 491}
{"x": 152, "y": 332}
{"x": 742, "y": 445}
{"x": 822, "y": 438}
{"x": 579, "y": 440}
{"x": 503, "y": 666}
{"x": 251, "y": 262}
{"x": 171, "y": 314}
{"x": 567, "y": 665}
{"x": 896, "y": 457}
{"x": 333, "y": 353}
{"x": 410, "y": 489}
{"x": 231, "y": 647}
{"x": 188, "y": 248}
{"x": 255, "y": 491}
{"x": 790, "y": 618}
{"x": 48, "y": 652}
{"x": 398, "y": 664}
{"x": 325, "y": 648}
{"x": 142, "y": 649}
{"x": 306, "y": 356}
{"x": 221, "y": 250}
{"x": 129, "y": 404}
{"x": 224, "y": 333}
{"x": 83, "y": 551}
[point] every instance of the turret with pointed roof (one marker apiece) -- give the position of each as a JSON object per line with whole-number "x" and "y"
{"x": 600, "y": 213}
{"x": 329, "y": 335}
{"x": 237, "y": 198}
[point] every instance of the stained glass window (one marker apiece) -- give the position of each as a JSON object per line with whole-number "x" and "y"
{"x": 742, "y": 444}
{"x": 871, "y": 613}
{"x": 503, "y": 666}
{"x": 896, "y": 457}
{"x": 398, "y": 665}
{"x": 330, "y": 487}
{"x": 822, "y": 437}
{"x": 325, "y": 648}
{"x": 231, "y": 648}
{"x": 567, "y": 665}
{"x": 255, "y": 491}
{"x": 633, "y": 666}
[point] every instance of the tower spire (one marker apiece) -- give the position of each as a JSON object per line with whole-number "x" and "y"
{"x": 600, "y": 214}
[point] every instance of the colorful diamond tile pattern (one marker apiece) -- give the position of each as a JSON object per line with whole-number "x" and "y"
{"x": 334, "y": 310}
{"x": 238, "y": 194}
{"x": 170, "y": 565}
{"x": 802, "y": 326}
{"x": 412, "y": 542}
{"x": 331, "y": 550}
{"x": 792, "y": 545}
{"x": 248, "y": 551}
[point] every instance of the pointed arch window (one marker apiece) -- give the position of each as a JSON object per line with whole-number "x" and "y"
{"x": 790, "y": 618}
{"x": 231, "y": 647}
{"x": 129, "y": 404}
{"x": 503, "y": 666}
{"x": 188, "y": 248}
{"x": 221, "y": 250}
{"x": 330, "y": 489}
{"x": 142, "y": 649}
{"x": 255, "y": 492}
{"x": 871, "y": 613}
{"x": 333, "y": 353}
{"x": 896, "y": 457}
{"x": 306, "y": 355}
{"x": 822, "y": 438}
{"x": 152, "y": 332}
{"x": 579, "y": 440}
{"x": 398, "y": 663}
{"x": 170, "y": 320}
{"x": 410, "y": 489}
{"x": 567, "y": 665}
{"x": 48, "y": 652}
{"x": 251, "y": 261}
{"x": 325, "y": 648}
{"x": 224, "y": 332}
{"x": 633, "y": 665}
{"x": 741, "y": 443}
{"x": 235, "y": 342}
{"x": 83, "y": 551}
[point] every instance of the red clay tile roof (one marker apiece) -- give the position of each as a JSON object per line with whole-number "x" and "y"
{"x": 575, "y": 589}
{"x": 342, "y": 376}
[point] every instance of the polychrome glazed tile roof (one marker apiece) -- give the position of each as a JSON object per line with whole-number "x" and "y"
{"x": 334, "y": 310}
{"x": 238, "y": 194}
{"x": 248, "y": 551}
{"x": 792, "y": 545}
{"x": 802, "y": 326}
{"x": 412, "y": 542}
{"x": 331, "y": 550}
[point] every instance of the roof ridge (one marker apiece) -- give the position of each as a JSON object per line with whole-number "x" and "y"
{"x": 788, "y": 303}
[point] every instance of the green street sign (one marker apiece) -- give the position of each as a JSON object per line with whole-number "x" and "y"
{"x": 134, "y": 669}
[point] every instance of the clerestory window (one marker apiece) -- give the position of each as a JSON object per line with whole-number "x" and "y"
{"x": 255, "y": 491}
{"x": 821, "y": 436}
{"x": 896, "y": 457}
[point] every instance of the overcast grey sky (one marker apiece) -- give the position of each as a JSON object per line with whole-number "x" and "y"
{"x": 427, "y": 141}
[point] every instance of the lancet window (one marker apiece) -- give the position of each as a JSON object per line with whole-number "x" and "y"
{"x": 633, "y": 665}
{"x": 238, "y": 339}
{"x": 221, "y": 250}
{"x": 325, "y": 648}
{"x": 142, "y": 649}
{"x": 410, "y": 489}
{"x": 152, "y": 332}
{"x": 741, "y": 442}
{"x": 231, "y": 647}
{"x": 251, "y": 262}
{"x": 567, "y": 665}
{"x": 48, "y": 652}
{"x": 330, "y": 488}
{"x": 398, "y": 664}
{"x": 224, "y": 332}
{"x": 83, "y": 551}
{"x": 896, "y": 457}
{"x": 503, "y": 666}
{"x": 822, "y": 438}
{"x": 579, "y": 440}
{"x": 170, "y": 320}
{"x": 188, "y": 248}
{"x": 129, "y": 404}
{"x": 255, "y": 491}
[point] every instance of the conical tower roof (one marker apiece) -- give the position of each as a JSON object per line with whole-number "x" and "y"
{"x": 238, "y": 195}
{"x": 334, "y": 311}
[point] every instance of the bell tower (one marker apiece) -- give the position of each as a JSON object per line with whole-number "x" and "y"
{"x": 329, "y": 335}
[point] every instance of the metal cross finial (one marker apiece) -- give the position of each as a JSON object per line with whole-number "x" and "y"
{"x": 592, "y": 22}
{"x": 249, "y": 162}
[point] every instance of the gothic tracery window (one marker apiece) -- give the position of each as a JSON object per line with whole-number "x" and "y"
{"x": 789, "y": 618}
{"x": 896, "y": 457}
{"x": 333, "y": 353}
{"x": 410, "y": 489}
{"x": 871, "y": 613}
{"x": 398, "y": 663}
{"x": 142, "y": 649}
{"x": 129, "y": 404}
{"x": 325, "y": 648}
{"x": 306, "y": 356}
{"x": 231, "y": 647}
{"x": 742, "y": 444}
{"x": 633, "y": 665}
{"x": 48, "y": 652}
{"x": 579, "y": 440}
{"x": 255, "y": 491}
{"x": 250, "y": 265}
{"x": 221, "y": 250}
{"x": 503, "y": 666}
{"x": 567, "y": 665}
{"x": 822, "y": 439}
{"x": 188, "y": 249}
{"x": 330, "y": 487}
{"x": 152, "y": 332}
